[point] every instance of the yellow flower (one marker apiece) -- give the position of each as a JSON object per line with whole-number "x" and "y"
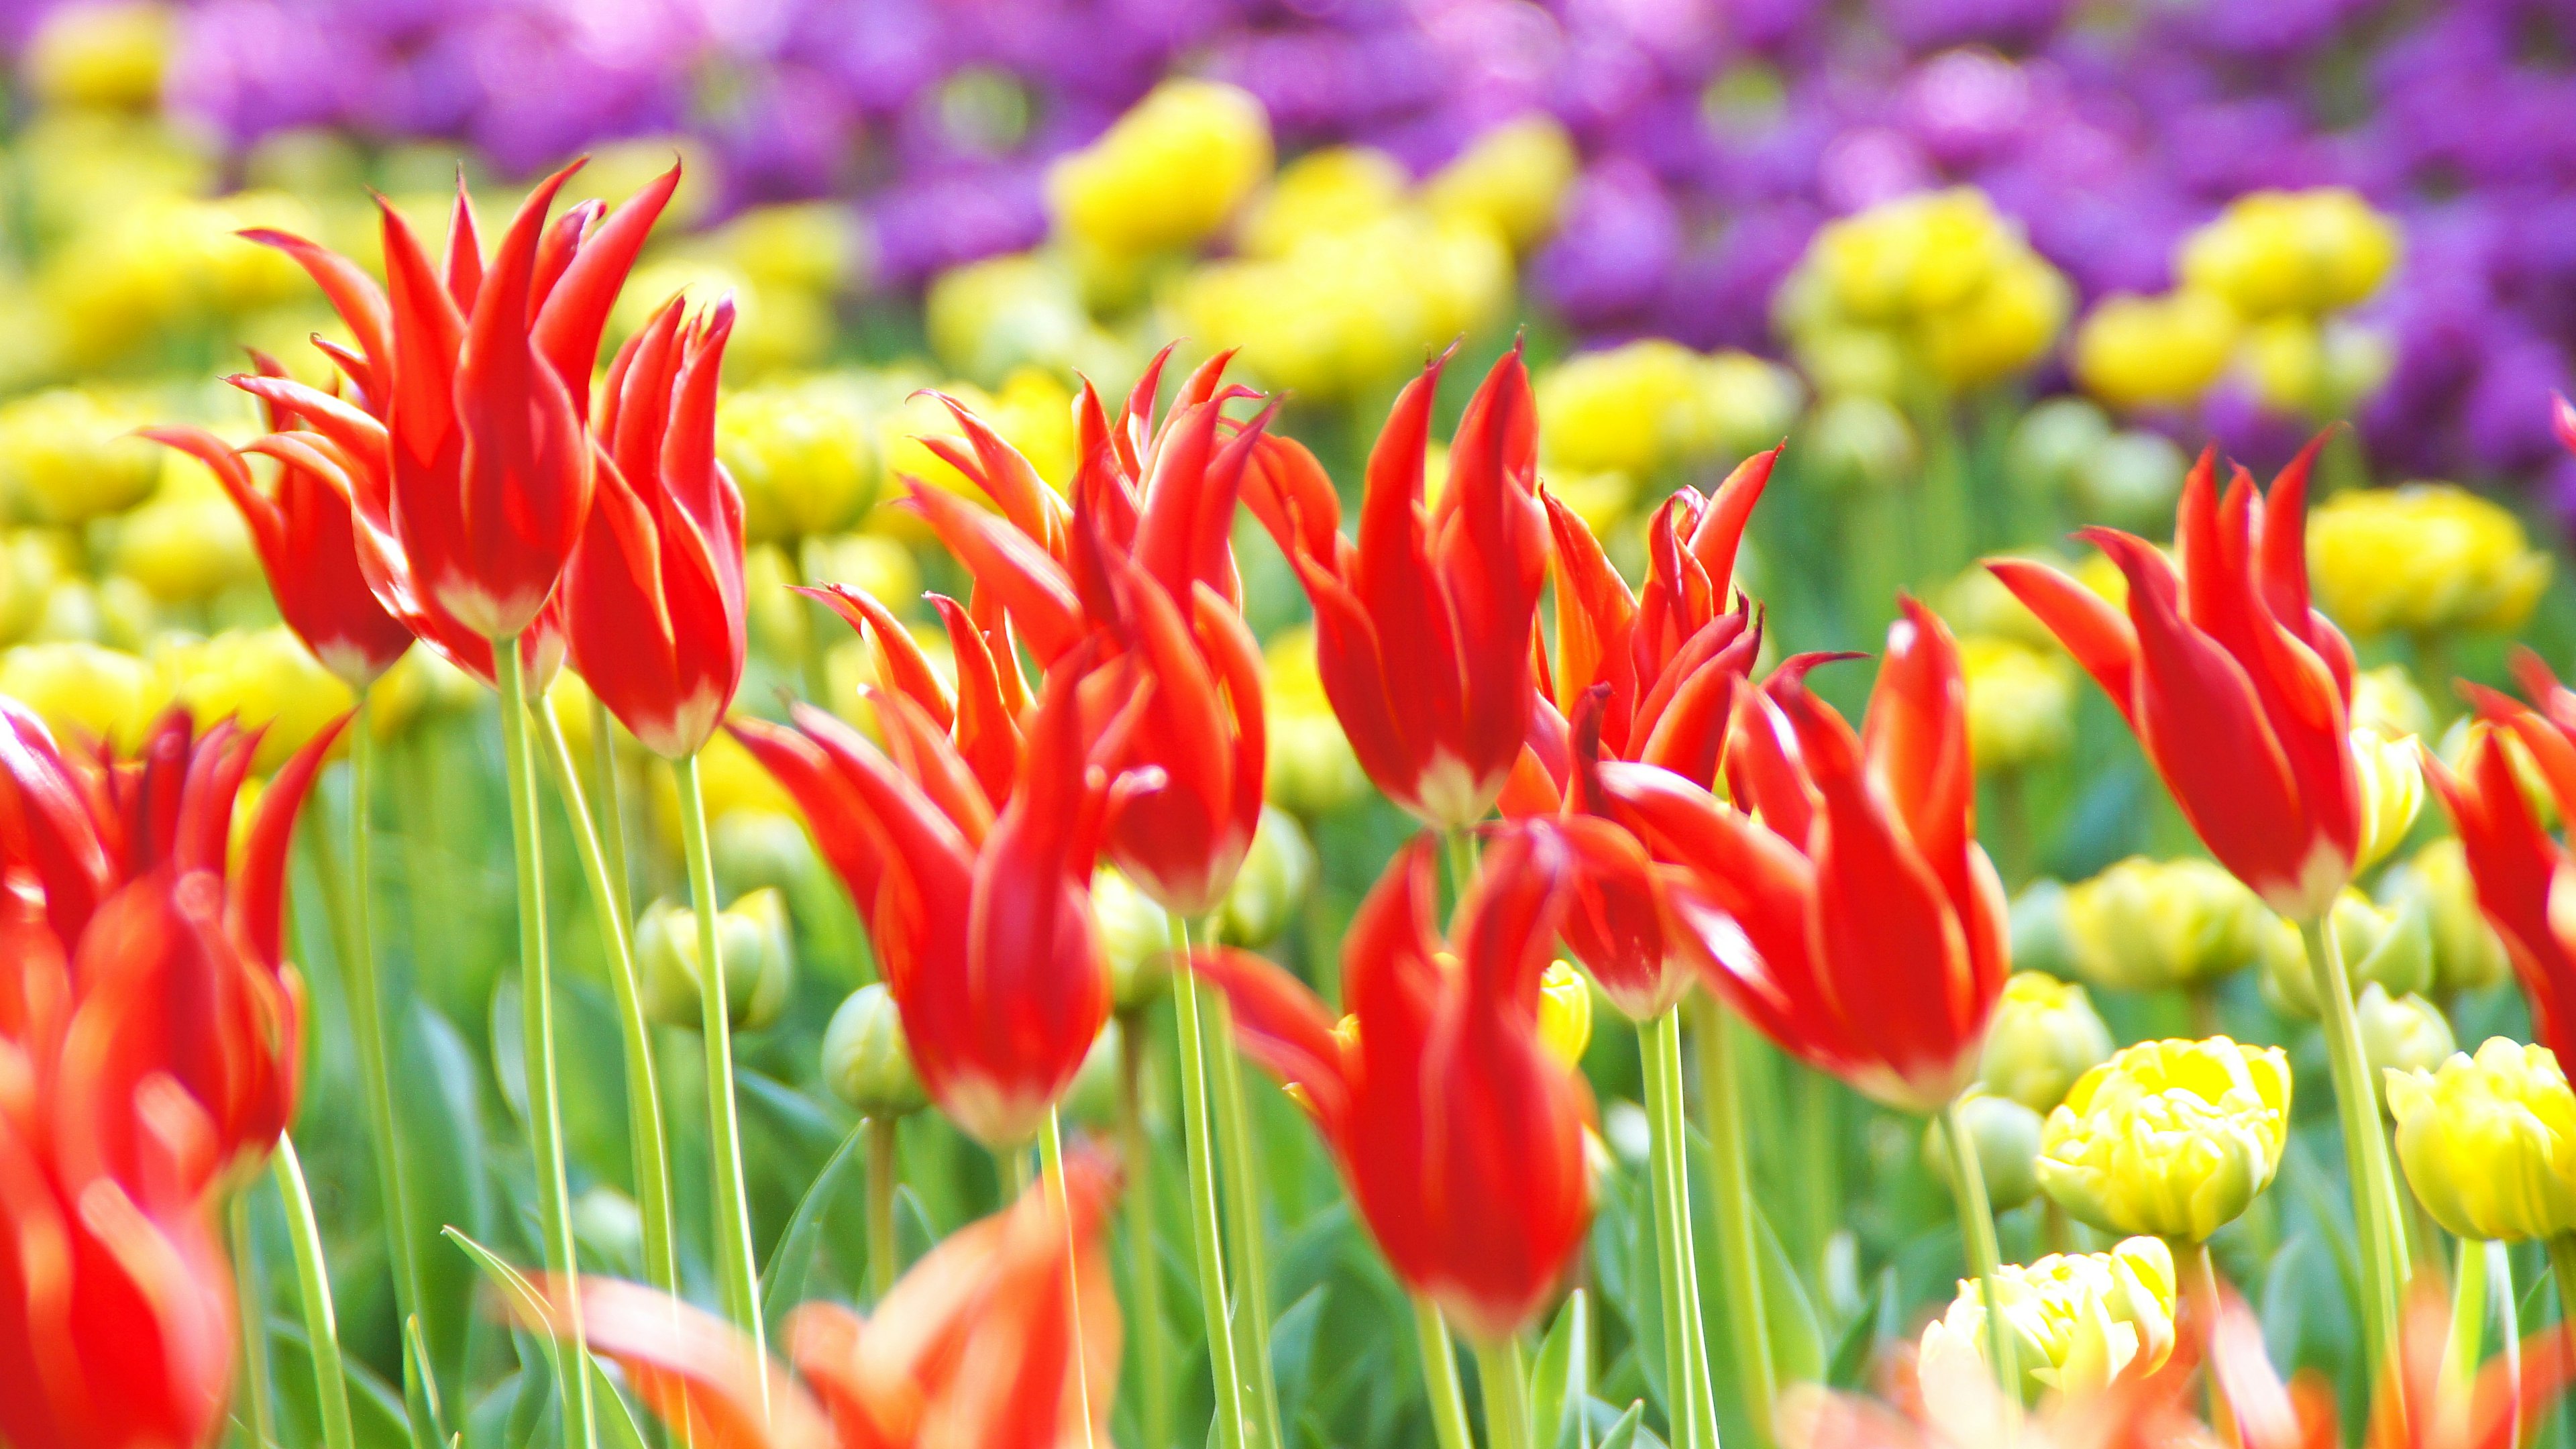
{"x": 1167, "y": 174}
{"x": 2002, "y": 327}
{"x": 2401, "y": 1033}
{"x": 1034, "y": 409}
{"x": 2389, "y": 945}
{"x": 989, "y": 317}
{"x": 2467, "y": 953}
{"x": 1564, "y": 1013}
{"x": 2169, "y": 1138}
{"x": 2154, "y": 351}
{"x": 810, "y": 246}
{"x": 1916, "y": 254}
{"x": 1277, "y": 873}
{"x": 2044, "y": 1035}
{"x": 1513, "y": 179}
{"x": 802, "y": 456}
{"x": 2021, "y": 702}
{"x": 1312, "y": 768}
{"x": 866, "y": 1062}
{"x": 1648, "y": 405}
{"x": 774, "y": 328}
{"x": 2422, "y": 558}
{"x": 2143, "y": 924}
{"x": 752, "y": 940}
{"x": 2386, "y": 700}
{"x": 2078, "y": 1320}
{"x": 107, "y": 55}
{"x": 69, "y": 455}
{"x": 1324, "y": 193}
{"x": 32, "y": 562}
{"x": 1936, "y": 281}
{"x": 871, "y": 561}
{"x": 187, "y": 542}
{"x": 83, "y": 692}
{"x": 2489, "y": 1142}
{"x": 260, "y": 679}
{"x": 2285, "y": 359}
{"x": 2392, "y": 791}
{"x": 1135, "y": 939}
{"x": 2292, "y": 251}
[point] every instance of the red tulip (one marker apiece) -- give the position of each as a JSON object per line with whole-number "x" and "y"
{"x": 2240, "y": 692}
{"x": 476, "y": 475}
{"x": 2513, "y": 862}
{"x": 1851, "y": 915}
{"x": 1143, "y": 557}
{"x": 982, "y": 922}
{"x": 1423, "y": 627}
{"x": 653, "y": 599}
{"x": 1461, "y": 1139}
{"x": 994, "y": 1340}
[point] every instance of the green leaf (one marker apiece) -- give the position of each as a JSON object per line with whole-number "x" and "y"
{"x": 617, "y": 1426}
{"x": 375, "y": 1410}
{"x": 792, "y": 1263}
{"x": 1557, "y": 1379}
{"x": 1630, "y": 1427}
{"x": 522, "y": 1294}
{"x": 1852, "y": 1356}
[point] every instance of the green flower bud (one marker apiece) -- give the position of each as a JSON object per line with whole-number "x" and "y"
{"x": 2006, "y": 1135}
{"x": 2044, "y": 1035}
{"x": 2389, "y": 947}
{"x": 2144, "y": 925}
{"x": 865, "y": 1060}
{"x": 759, "y": 961}
{"x": 1277, "y": 873}
{"x": 608, "y": 1224}
{"x": 2037, "y": 921}
{"x": 2052, "y": 442}
{"x": 760, "y": 849}
{"x": 1135, "y": 939}
{"x": 2467, "y": 953}
{"x": 2401, "y": 1034}
{"x": 1858, "y": 440}
{"x": 2131, "y": 480}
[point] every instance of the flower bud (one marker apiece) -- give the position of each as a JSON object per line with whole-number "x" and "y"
{"x": 2401, "y": 1033}
{"x": 2006, "y": 1136}
{"x": 2143, "y": 925}
{"x": 608, "y": 1224}
{"x": 2489, "y": 1142}
{"x": 865, "y": 1060}
{"x": 1312, "y": 769}
{"x": 2169, "y": 1138}
{"x": 2392, "y": 791}
{"x": 757, "y": 849}
{"x": 2154, "y": 351}
{"x": 2467, "y": 953}
{"x": 2050, "y": 444}
{"x": 2078, "y": 1320}
{"x": 1135, "y": 940}
{"x": 759, "y": 961}
{"x": 2044, "y": 1035}
{"x": 2423, "y": 558}
{"x": 2037, "y": 921}
{"x": 2389, "y": 947}
{"x": 1564, "y": 1013}
{"x": 2021, "y": 703}
{"x": 2386, "y": 700}
{"x": 2132, "y": 480}
{"x": 1277, "y": 873}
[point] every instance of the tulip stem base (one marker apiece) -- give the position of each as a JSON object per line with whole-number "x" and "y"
{"x": 1738, "y": 1236}
{"x": 1222, "y": 1365}
{"x": 537, "y": 1036}
{"x": 651, "y": 1152}
{"x": 251, "y": 1306}
{"x": 1249, "y": 1259}
{"x": 1145, "y": 1275}
{"x": 734, "y": 1262}
{"x": 2200, "y": 1296}
{"x": 2562, "y": 1267}
{"x": 2495, "y": 1260}
{"x": 313, "y": 1277}
{"x": 1440, "y": 1377}
{"x": 1503, "y": 1377}
{"x": 2375, "y": 1208}
{"x": 1689, "y": 1410}
{"x": 2461, "y": 1350}
{"x": 1977, "y": 1233}
{"x": 1051, "y": 1155}
{"x": 879, "y": 1136}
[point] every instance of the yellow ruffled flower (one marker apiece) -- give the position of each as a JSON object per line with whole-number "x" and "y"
{"x": 2422, "y": 558}
{"x": 2143, "y": 924}
{"x": 802, "y": 455}
{"x": 2021, "y": 702}
{"x": 69, "y": 455}
{"x": 106, "y": 55}
{"x": 2385, "y": 700}
{"x": 84, "y": 692}
{"x": 2078, "y": 1320}
{"x": 2401, "y": 1033}
{"x": 188, "y": 541}
{"x": 809, "y": 246}
{"x": 2292, "y": 251}
{"x": 1936, "y": 281}
{"x": 2392, "y": 791}
{"x": 1324, "y": 193}
{"x": 2489, "y": 1142}
{"x": 1564, "y": 1013}
{"x": 1651, "y": 404}
{"x": 2154, "y": 351}
{"x": 1167, "y": 174}
{"x": 2045, "y": 1034}
{"x": 987, "y": 318}
{"x": 2002, "y": 327}
{"x": 2169, "y": 1138}
{"x": 260, "y": 679}
{"x": 32, "y": 562}
{"x": 2467, "y": 953}
{"x": 1513, "y": 178}
{"x": 1312, "y": 770}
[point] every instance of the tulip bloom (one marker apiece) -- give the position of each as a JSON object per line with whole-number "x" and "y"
{"x": 1852, "y": 916}
{"x": 2513, "y": 861}
{"x": 1460, "y": 1136}
{"x": 981, "y": 921}
{"x": 2239, "y": 691}
{"x": 989, "y": 1341}
{"x": 1143, "y": 556}
{"x": 653, "y": 599}
{"x": 465, "y": 443}
{"x": 1423, "y": 626}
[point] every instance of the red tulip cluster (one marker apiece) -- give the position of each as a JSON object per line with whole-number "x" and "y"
{"x": 149, "y": 1043}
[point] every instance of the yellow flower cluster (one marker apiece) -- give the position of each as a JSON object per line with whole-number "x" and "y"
{"x": 1312, "y": 768}
{"x": 1937, "y": 284}
{"x": 2078, "y": 1320}
{"x": 2169, "y": 1138}
{"x": 1611, "y": 421}
{"x": 2425, "y": 558}
{"x": 1167, "y": 174}
{"x": 2144, "y": 924}
{"x": 2489, "y": 1142}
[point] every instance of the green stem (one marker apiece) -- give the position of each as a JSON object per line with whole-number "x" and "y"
{"x": 1820, "y": 1167}
{"x": 652, "y": 1155}
{"x": 1681, "y": 1408}
{"x": 1461, "y": 846}
{"x": 1051, "y": 1154}
{"x": 610, "y": 802}
{"x": 1440, "y": 1376}
{"x": 1243, "y": 1216}
{"x": 1153, "y": 1341}
{"x": 1503, "y": 1377}
{"x": 1738, "y": 1243}
{"x": 537, "y": 1034}
{"x": 321, "y": 1327}
{"x": 1977, "y": 1231}
{"x": 2461, "y": 1350}
{"x": 881, "y": 1174}
{"x": 252, "y": 1308}
{"x": 2374, "y": 1190}
{"x": 1203, "y": 1219}
{"x": 2200, "y": 1295}
{"x": 2496, "y": 1261}
{"x": 724, "y": 1131}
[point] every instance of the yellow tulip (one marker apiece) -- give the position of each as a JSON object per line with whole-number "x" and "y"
{"x": 2467, "y": 953}
{"x": 2143, "y": 924}
{"x": 2489, "y": 1142}
{"x": 69, "y": 455}
{"x": 801, "y": 454}
{"x": 1167, "y": 174}
{"x": 84, "y": 692}
{"x": 2292, "y": 251}
{"x": 1313, "y": 770}
{"x": 2423, "y": 558}
{"x": 2044, "y": 1035}
{"x": 1513, "y": 178}
{"x": 106, "y": 55}
{"x": 261, "y": 679}
{"x": 2169, "y": 1138}
{"x": 1325, "y": 192}
{"x": 2154, "y": 351}
{"x": 2078, "y": 1320}
{"x": 1564, "y": 1013}
{"x": 2021, "y": 702}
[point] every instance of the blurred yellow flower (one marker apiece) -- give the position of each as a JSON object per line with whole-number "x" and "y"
{"x": 2021, "y": 702}
{"x": 1513, "y": 178}
{"x": 2000, "y": 328}
{"x": 2154, "y": 351}
{"x": 2144, "y": 924}
{"x": 1167, "y": 174}
{"x": 1278, "y": 873}
{"x": 101, "y": 54}
{"x": 2078, "y": 1320}
{"x": 1648, "y": 405}
{"x": 2422, "y": 558}
{"x": 808, "y": 246}
{"x": 2467, "y": 953}
{"x": 2401, "y": 1034}
{"x": 260, "y": 679}
{"x": 84, "y": 692}
{"x": 2044, "y": 1035}
{"x": 802, "y": 455}
{"x": 774, "y": 328}
{"x": 2385, "y": 699}
{"x": 865, "y": 1060}
{"x": 2388, "y": 946}
{"x": 2489, "y": 1142}
{"x": 68, "y": 455}
{"x": 187, "y": 542}
{"x": 1937, "y": 284}
{"x": 2392, "y": 791}
{"x": 1564, "y": 1013}
{"x": 2169, "y": 1138}
{"x": 987, "y": 318}
{"x": 1312, "y": 770}
{"x": 32, "y": 562}
{"x": 2310, "y": 252}
{"x": 1322, "y": 193}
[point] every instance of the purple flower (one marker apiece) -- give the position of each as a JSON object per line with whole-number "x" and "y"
{"x": 1620, "y": 237}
